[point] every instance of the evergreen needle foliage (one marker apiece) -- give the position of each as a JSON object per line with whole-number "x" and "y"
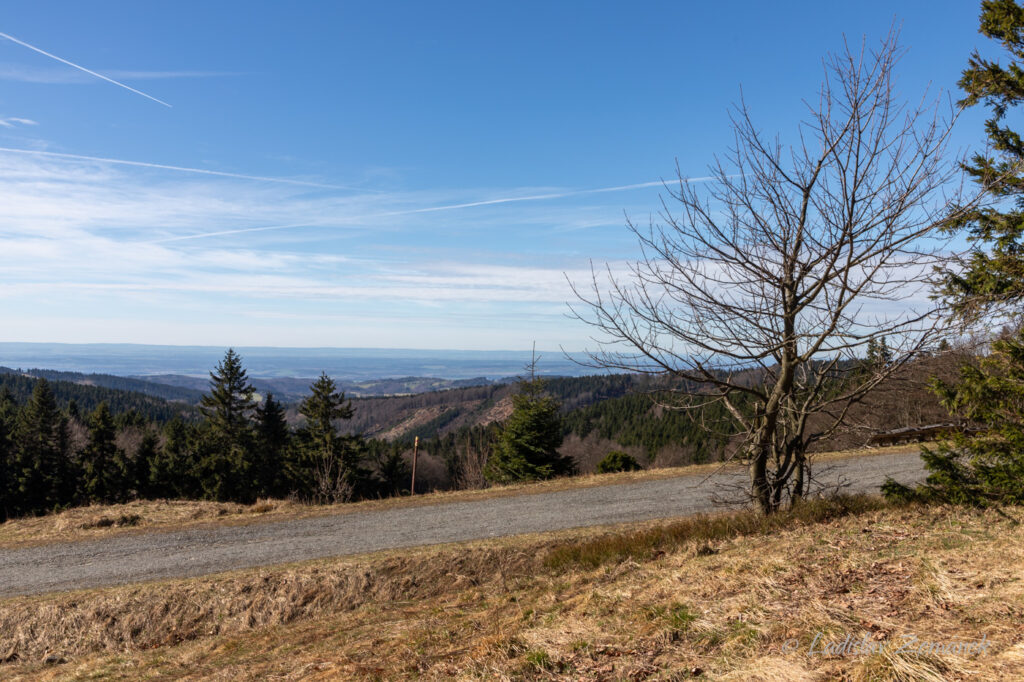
{"x": 225, "y": 464}
{"x": 616, "y": 461}
{"x": 334, "y": 460}
{"x": 992, "y": 273}
{"x": 527, "y": 449}
{"x": 988, "y": 468}
{"x": 105, "y": 466}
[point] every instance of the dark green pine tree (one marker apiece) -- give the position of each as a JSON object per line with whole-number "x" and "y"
{"x": 527, "y": 449}
{"x": 270, "y": 473}
{"x": 173, "y": 471}
{"x": 73, "y": 410}
{"x": 391, "y": 467}
{"x": 988, "y": 468}
{"x": 878, "y": 354}
{"x": 993, "y": 273}
{"x": 46, "y": 479}
{"x": 142, "y": 466}
{"x": 230, "y": 402}
{"x": 8, "y": 417}
{"x": 104, "y": 465}
{"x": 333, "y": 461}
{"x": 228, "y": 437}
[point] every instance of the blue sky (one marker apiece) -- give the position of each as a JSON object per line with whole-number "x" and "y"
{"x": 379, "y": 174}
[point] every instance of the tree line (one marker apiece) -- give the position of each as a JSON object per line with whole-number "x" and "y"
{"x": 241, "y": 448}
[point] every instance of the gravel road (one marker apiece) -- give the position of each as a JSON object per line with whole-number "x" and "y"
{"x": 176, "y": 554}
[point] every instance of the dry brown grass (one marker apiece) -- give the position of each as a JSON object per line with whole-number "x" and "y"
{"x": 96, "y": 521}
{"x": 727, "y": 607}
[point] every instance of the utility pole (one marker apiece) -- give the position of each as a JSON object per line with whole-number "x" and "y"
{"x": 415, "y": 448}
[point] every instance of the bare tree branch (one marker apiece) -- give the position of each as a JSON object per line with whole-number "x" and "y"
{"x": 761, "y": 289}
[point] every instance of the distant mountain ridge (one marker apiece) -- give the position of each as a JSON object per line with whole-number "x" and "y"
{"x": 168, "y": 392}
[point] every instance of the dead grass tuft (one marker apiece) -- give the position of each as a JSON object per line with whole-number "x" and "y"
{"x": 705, "y": 531}
{"x": 892, "y": 665}
{"x": 111, "y": 522}
{"x": 95, "y": 521}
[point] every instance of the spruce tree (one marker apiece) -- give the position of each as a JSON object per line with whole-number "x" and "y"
{"x": 988, "y": 468}
{"x": 172, "y": 472}
{"x": 8, "y": 415}
{"x": 227, "y": 430}
{"x": 103, "y": 462}
{"x": 527, "y": 449}
{"x": 229, "y": 404}
{"x": 141, "y": 469}
{"x": 333, "y": 460}
{"x": 269, "y": 472}
{"x": 878, "y": 354}
{"x": 43, "y": 469}
{"x": 992, "y": 276}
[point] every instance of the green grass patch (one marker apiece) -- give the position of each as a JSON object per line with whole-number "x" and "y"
{"x": 539, "y": 659}
{"x": 677, "y": 616}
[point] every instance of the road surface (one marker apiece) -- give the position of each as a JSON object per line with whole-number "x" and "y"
{"x": 187, "y": 553}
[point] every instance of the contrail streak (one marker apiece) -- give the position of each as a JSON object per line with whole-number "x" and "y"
{"x": 265, "y": 228}
{"x": 428, "y": 209}
{"x": 183, "y": 169}
{"x": 539, "y": 197}
{"x": 82, "y": 68}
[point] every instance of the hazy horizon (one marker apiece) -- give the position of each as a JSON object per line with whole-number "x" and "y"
{"x": 127, "y": 359}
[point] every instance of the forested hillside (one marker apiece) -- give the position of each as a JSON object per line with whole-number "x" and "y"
{"x": 79, "y": 399}
{"x": 632, "y": 413}
{"x": 64, "y": 443}
{"x": 292, "y": 389}
{"x": 119, "y": 383}
{"x": 439, "y": 412}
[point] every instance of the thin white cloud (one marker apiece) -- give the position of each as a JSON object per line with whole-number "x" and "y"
{"x": 244, "y": 230}
{"x": 181, "y": 169}
{"x": 434, "y": 209}
{"x": 13, "y": 121}
{"x": 83, "y": 69}
{"x": 77, "y": 238}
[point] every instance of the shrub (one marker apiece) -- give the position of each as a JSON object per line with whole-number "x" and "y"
{"x": 617, "y": 460}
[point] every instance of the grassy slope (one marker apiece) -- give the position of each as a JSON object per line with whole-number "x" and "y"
{"x": 653, "y": 601}
{"x": 98, "y": 521}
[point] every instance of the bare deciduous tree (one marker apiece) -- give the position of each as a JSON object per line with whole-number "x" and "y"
{"x": 763, "y": 287}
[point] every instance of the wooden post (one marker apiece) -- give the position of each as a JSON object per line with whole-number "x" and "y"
{"x": 415, "y": 448}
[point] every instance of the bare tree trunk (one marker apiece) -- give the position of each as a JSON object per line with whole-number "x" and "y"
{"x": 760, "y": 491}
{"x": 799, "y": 474}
